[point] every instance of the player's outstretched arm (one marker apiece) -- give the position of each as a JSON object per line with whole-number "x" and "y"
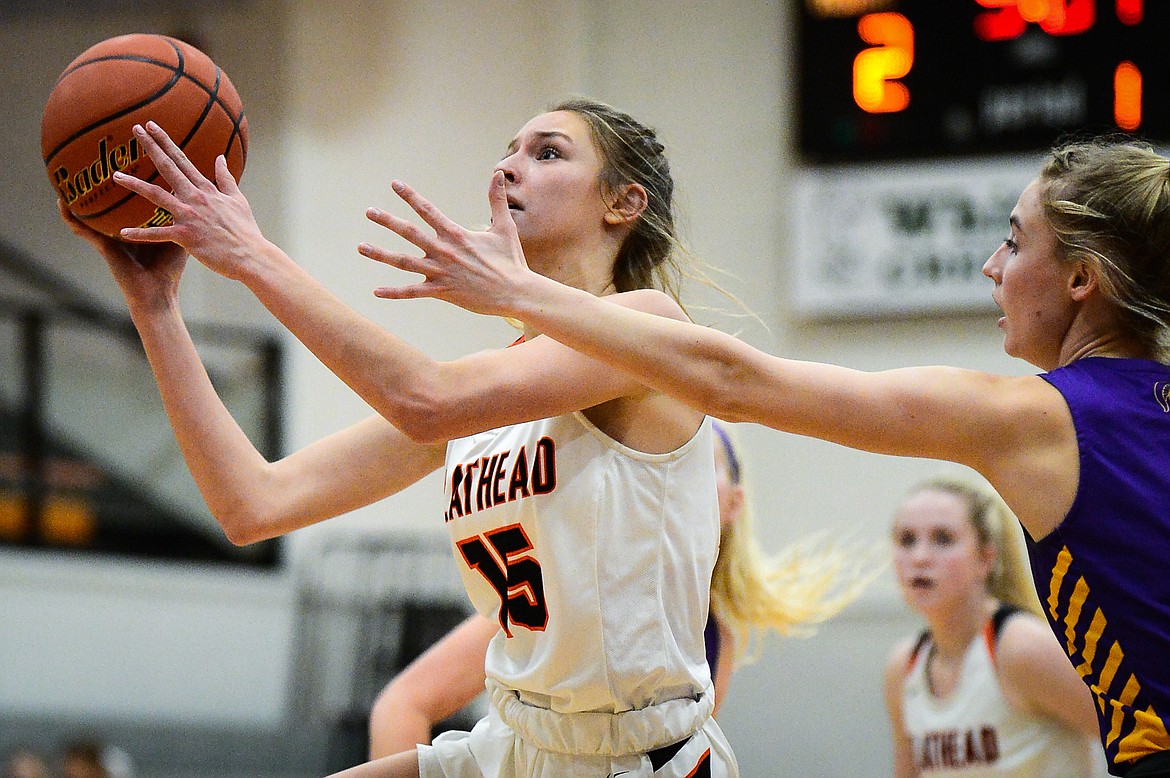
{"x": 213, "y": 221}
{"x": 251, "y": 498}
{"x": 486, "y": 272}
{"x": 715, "y": 372}
{"x": 436, "y": 685}
{"x": 1015, "y": 431}
{"x": 901, "y": 412}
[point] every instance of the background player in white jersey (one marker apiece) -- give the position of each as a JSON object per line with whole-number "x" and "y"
{"x": 582, "y": 505}
{"x": 985, "y": 690}
{"x": 751, "y": 593}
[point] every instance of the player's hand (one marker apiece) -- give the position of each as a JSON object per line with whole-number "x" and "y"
{"x": 144, "y": 271}
{"x": 212, "y": 220}
{"x": 479, "y": 271}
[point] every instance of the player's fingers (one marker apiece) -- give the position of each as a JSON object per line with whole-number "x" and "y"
{"x": 408, "y": 230}
{"x": 170, "y": 160}
{"x": 411, "y": 264}
{"x": 149, "y": 234}
{"x": 425, "y": 209}
{"x": 498, "y": 200}
{"x": 153, "y": 192}
{"x": 224, "y": 179}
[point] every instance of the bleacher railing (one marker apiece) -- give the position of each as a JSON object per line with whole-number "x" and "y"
{"x": 87, "y": 458}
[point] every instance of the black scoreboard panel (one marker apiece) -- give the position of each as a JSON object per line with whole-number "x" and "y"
{"x": 900, "y": 79}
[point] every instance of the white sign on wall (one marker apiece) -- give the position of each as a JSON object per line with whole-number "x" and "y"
{"x": 905, "y": 238}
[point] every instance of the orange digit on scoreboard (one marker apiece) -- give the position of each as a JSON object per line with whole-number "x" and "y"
{"x": 876, "y": 69}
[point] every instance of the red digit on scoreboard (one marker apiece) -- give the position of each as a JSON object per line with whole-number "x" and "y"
{"x": 999, "y": 25}
{"x": 1009, "y": 18}
{"x": 1068, "y": 17}
{"x": 1130, "y": 11}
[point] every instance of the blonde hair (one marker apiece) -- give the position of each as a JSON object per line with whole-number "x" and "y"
{"x": 805, "y": 584}
{"x": 1010, "y": 581}
{"x": 631, "y": 153}
{"x": 1108, "y": 200}
{"x": 652, "y": 255}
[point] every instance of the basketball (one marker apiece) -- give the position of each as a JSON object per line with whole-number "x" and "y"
{"x": 131, "y": 79}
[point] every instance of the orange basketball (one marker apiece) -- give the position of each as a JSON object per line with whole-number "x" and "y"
{"x": 131, "y": 79}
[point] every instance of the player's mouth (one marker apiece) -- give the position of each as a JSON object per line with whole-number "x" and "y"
{"x": 514, "y": 206}
{"x": 921, "y": 582}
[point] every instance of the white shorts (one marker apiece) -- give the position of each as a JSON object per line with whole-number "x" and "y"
{"x": 582, "y": 745}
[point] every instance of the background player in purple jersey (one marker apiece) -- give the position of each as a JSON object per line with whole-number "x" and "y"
{"x": 1079, "y": 452}
{"x": 750, "y": 594}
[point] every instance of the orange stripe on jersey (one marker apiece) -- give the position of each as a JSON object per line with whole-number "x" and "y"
{"x": 1107, "y": 674}
{"x": 989, "y": 639}
{"x": 703, "y": 768}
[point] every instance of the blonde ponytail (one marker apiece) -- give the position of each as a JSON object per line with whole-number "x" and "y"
{"x": 807, "y": 583}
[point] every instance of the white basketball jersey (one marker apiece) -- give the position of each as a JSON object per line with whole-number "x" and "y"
{"x": 595, "y": 560}
{"x": 974, "y": 732}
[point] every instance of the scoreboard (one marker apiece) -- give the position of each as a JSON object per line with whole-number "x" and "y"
{"x": 903, "y": 79}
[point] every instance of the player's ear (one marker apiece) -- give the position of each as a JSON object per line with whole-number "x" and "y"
{"x": 626, "y": 204}
{"x": 1083, "y": 281}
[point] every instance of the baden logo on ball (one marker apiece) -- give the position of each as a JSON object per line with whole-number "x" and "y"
{"x": 131, "y": 79}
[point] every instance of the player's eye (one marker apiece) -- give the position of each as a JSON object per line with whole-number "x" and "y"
{"x": 942, "y": 538}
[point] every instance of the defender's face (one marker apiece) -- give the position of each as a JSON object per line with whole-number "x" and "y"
{"x": 1031, "y": 285}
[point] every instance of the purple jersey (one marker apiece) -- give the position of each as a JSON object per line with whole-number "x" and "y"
{"x": 712, "y": 640}
{"x": 1103, "y": 575}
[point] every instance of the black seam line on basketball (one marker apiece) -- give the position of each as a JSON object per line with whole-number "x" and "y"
{"x": 178, "y": 70}
{"x": 180, "y": 73}
{"x": 213, "y": 92}
{"x": 213, "y": 99}
{"x": 176, "y": 76}
{"x": 113, "y": 58}
{"x": 155, "y": 174}
{"x": 213, "y": 95}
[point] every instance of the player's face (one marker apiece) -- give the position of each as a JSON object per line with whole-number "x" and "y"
{"x": 938, "y": 559}
{"x": 552, "y": 174}
{"x": 1031, "y": 285}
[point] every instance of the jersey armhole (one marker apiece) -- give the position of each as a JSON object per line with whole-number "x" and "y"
{"x": 995, "y": 625}
{"x": 919, "y": 644}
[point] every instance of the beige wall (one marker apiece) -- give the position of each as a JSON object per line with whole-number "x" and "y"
{"x": 346, "y": 95}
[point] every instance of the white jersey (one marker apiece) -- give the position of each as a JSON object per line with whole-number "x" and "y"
{"x": 975, "y": 732}
{"x": 595, "y": 560}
